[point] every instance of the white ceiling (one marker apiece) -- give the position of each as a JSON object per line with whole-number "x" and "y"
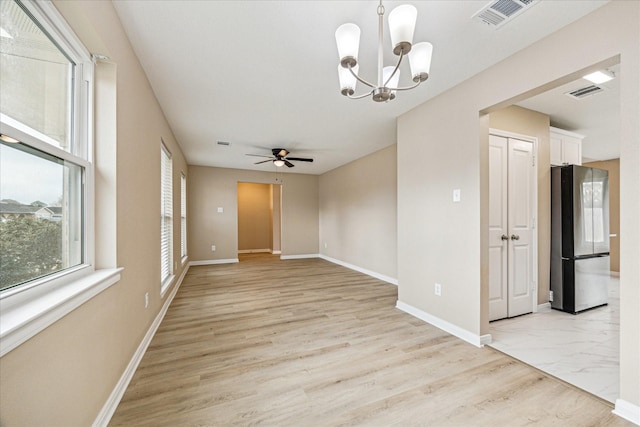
{"x": 597, "y": 117}
{"x": 263, "y": 74}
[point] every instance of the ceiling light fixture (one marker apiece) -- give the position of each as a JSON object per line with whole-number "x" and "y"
{"x": 402, "y": 22}
{"x": 7, "y": 138}
{"x": 278, "y": 162}
{"x": 600, "y": 76}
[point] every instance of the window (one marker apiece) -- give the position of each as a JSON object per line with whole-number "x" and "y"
{"x": 45, "y": 169}
{"x": 183, "y": 217}
{"x": 166, "y": 217}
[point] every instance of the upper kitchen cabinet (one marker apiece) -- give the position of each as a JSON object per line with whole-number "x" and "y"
{"x": 565, "y": 147}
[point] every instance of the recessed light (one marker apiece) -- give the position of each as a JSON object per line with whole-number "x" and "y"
{"x": 600, "y": 76}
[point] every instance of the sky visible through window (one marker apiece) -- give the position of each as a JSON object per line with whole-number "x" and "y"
{"x": 26, "y": 178}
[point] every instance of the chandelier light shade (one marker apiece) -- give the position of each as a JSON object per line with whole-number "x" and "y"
{"x": 420, "y": 61}
{"x": 402, "y": 22}
{"x": 278, "y": 162}
{"x": 391, "y": 79}
{"x": 348, "y": 40}
{"x": 347, "y": 79}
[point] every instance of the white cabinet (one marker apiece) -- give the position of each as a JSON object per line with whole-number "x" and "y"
{"x": 565, "y": 147}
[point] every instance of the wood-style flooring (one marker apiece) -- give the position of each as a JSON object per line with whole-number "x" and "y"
{"x": 310, "y": 343}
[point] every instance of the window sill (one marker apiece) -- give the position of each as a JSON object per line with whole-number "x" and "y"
{"x": 24, "y": 315}
{"x": 166, "y": 285}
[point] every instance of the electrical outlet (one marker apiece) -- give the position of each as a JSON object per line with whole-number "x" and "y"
{"x": 438, "y": 289}
{"x": 456, "y": 195}
{"x": 550, "y": 296}
{"x": 213, "y": 248}
{"x": 146, "y": 300}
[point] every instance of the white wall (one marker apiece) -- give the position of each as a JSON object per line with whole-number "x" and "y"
{"x": 443, "y": 144}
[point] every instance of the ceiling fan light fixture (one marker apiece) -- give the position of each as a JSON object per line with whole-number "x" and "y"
{"x": 278, "y": 162}
{"x": 599, "y": 77}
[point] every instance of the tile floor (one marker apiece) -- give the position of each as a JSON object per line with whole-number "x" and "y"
{"x": 580, "y": 349}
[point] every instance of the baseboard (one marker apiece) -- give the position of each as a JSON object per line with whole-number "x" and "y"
{"x": 214, "y": 261}
{"x": 301, "y": 256}
{"x": 628, "y": 411}
{"x": 463, "y": 334}
{"x": 361, "y": 270}
{"x": 254, "y": 251}
{"x": 276, "y": 252}
{"x": 544, "y": 307}
{"x": 614, "y": 273}
{"x": 112, "y": 402}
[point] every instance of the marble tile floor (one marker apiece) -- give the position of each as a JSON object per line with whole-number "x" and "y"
{"x": 581, "y": 349}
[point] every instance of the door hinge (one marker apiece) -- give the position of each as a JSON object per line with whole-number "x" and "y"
{"x": 533, "y": 160}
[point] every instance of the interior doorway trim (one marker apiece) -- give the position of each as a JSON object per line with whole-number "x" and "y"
{"x": 534, "y": 141}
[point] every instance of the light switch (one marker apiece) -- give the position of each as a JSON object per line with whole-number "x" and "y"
{"x": 220, "y": 210}
{"x": 456, "y": 195}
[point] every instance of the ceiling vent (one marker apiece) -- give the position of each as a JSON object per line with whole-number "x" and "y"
{"x": 224, "y": 143}
{"x": 583, "y": 92}
{"x": 499, "y": 12}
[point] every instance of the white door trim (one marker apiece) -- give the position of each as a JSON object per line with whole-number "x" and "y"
{"x": 534, "y": 141}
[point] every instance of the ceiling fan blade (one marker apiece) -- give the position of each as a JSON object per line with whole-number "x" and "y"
{"x": 288, "y": 163}
{"x": 264, "y": 161}
{"x": 258, "y": 155}
{"x": 300, "y": 159}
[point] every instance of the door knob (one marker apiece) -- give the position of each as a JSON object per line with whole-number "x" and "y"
{"x": 515, "y": 237}
{"x": 504, "y": 237}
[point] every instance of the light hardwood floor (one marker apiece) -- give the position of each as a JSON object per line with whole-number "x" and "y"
{"x": 309, "y": 343}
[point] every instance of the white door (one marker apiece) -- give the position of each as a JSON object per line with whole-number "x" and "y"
{"x": 511, "y": 218}
{"x": 498, "y": 229}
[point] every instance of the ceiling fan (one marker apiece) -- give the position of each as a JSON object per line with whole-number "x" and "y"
{"x": 279, "y": 158}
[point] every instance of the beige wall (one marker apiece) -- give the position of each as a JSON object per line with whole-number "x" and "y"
{"x": 613, "y": 166}
{"x": 211, "y": 188}
{"x": 255, "y": 216}
{"x": 64, "y": 375}
{"x": 443, "y": 145}
{"x": 532, "y": 123}
{"x": 358, "y": 213}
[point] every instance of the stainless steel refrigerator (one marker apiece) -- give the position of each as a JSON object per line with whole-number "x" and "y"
{"x": 579, "y": 238}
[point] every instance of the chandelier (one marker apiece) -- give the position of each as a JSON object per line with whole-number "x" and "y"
{"x": 402, "y": 21}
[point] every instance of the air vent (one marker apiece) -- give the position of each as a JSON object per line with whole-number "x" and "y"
{"x": 584, "y": 92}
{"x": 225, "y": 143}
{"x": 499, "y": 12}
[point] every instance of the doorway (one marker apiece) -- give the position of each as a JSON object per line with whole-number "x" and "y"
{"x": 512, "y": 234}
{"x": 259, "y": 218}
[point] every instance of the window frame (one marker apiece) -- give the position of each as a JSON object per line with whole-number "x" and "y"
{"x": 166, "y": 217}
{"x": 27, "y": 309}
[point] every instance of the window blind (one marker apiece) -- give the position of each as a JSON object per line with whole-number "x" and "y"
{"x": 166, "y": 207}
{"x": 183, "y": 216}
